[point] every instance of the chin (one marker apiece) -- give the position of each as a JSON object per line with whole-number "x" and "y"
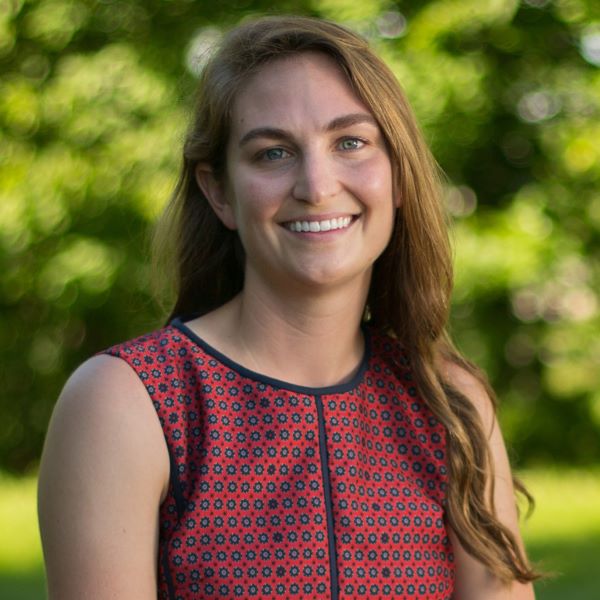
{"x": 328, "y": 277}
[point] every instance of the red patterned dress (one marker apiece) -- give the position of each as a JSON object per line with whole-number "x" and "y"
{"x": 284, "y": 491}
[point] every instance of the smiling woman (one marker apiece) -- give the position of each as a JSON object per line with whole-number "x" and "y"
{"x": 302, "y": 426}
{"x": 303, "y": 150}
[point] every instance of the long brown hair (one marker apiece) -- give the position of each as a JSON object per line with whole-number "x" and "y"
{"x": 409, "y": 294}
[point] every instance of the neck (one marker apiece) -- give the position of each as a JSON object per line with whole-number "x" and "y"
{"x": 308, "y": 339}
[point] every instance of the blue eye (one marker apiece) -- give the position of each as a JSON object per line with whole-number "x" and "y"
{"x": 274, "y": 154}
{"x": 351, "y": 144}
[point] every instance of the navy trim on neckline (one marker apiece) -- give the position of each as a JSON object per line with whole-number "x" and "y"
{"x": 277, "y": 383}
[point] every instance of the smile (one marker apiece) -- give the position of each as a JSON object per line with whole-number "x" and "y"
{"x": 317, "y": 226}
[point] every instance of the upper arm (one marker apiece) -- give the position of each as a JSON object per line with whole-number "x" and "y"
{"x": 103, "y": 473}
{"x": 473, "y": 579}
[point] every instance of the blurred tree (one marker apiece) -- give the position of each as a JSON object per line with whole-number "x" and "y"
{"x": 92, "y": 110}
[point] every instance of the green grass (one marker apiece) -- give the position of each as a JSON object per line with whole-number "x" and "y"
{"x": 563, "y": 535}
{"x": 21, "y": 566}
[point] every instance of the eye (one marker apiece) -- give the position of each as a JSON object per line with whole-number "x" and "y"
{"x": 351, "y": 144}
{"x": 271, "y": 154}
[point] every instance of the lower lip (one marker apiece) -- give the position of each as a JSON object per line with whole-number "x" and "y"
{"x": 320, "y": 235}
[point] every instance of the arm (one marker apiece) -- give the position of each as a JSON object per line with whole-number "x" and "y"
{"x": 104, "y": 471}
{"x": 473, "y": 580}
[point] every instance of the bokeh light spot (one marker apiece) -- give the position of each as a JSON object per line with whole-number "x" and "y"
{"x": 580, "y": 155}
{"x": 391, "y": 24}
{"x": 538, "y": 106}
{"x": 589, "y": 45}
{"x": 461, "y": 201}
{"x": 200, "y": 49}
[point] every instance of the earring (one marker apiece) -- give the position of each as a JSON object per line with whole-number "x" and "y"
{"x": 366, "y": 314}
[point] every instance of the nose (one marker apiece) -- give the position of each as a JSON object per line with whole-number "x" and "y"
{"x": 317, "y": 179}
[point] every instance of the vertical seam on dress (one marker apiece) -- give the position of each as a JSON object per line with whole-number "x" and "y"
{"x": 167, "y": 573}
{"x": 333, "y": 568}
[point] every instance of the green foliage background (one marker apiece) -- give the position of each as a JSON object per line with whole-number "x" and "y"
{"x": 93, "y": 102}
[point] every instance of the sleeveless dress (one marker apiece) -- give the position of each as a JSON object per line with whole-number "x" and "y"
{"x": 284, "y": 491}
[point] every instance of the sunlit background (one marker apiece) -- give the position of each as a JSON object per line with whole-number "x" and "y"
{"x": 94, "y": 99}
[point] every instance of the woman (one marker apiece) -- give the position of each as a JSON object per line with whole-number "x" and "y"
{"x": 300, "y": 451}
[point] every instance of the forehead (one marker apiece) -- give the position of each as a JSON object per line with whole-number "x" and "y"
{"x": 305, "y": 89}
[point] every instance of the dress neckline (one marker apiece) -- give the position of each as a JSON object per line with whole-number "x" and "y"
{"x": 179, "y": 324}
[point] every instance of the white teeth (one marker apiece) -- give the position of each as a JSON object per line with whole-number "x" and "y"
{"x": 317, "y": 226}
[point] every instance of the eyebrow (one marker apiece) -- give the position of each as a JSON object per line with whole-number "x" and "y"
{"x": 337, "y": 123}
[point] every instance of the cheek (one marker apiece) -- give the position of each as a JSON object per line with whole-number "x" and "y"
{"x": 258, "y": 198}
{"x": 373, "y": 183}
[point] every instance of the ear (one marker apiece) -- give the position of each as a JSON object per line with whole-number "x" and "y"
{"x": 214, "y": 191}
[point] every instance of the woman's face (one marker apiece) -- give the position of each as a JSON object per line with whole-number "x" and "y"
{"x": 309, "y": 179}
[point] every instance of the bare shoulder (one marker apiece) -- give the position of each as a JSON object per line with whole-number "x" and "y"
{"x": 104, "y": 408}
{"x": 102, "y": 400}
{"x": 103, "y": 473}
{"x": 473, "y": 580}
{"x": 104, "y": 383}
{"x": 472, "y": 388}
